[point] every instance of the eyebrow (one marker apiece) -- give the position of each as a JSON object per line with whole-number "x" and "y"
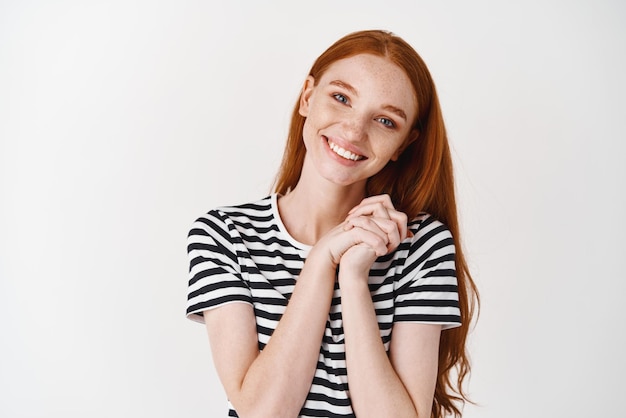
{"x": 352, "y": 90}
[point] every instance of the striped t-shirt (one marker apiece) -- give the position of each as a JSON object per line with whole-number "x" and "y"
{"x": 245, "y": 254}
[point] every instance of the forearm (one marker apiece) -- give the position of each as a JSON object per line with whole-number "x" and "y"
{"x": 375, "y": 388}
{"x": 278, "y": 381}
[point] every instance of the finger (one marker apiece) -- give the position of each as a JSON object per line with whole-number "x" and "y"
{"x": 369, "y": 224}
{"x": 374, "y": 241}
{"x": 389, "y": 227}
{"x": 393, "y": 233}
{"x": 371, "y": 209}
{"x": 378, "y": 210}
{"x": 401, "y": 221}
{"x": 383, "y": 199}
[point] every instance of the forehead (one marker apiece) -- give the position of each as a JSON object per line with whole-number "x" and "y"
{"x": 374, "y": 75}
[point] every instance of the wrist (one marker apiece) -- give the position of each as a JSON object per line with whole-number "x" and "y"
{"x": 321, "y": 261}
{"x": 353, "y": 276}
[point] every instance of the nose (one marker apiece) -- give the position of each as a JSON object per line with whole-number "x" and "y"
{"x": 355, "y": 128}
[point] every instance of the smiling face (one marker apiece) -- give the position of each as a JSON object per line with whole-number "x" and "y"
{"x": 359, "y": 115}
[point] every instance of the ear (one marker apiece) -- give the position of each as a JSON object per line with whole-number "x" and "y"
{"x": 305, "y": 97}
{"x": 413, "y": 135}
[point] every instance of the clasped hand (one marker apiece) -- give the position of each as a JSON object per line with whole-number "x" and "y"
{"x": 371, "y": 229}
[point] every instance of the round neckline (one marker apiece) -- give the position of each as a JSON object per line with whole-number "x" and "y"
{"x": 281, "y": 226}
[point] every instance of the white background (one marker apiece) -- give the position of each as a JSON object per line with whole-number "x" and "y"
{"x": 122, "y": 121}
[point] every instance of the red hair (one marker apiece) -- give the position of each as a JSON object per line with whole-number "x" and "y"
{"x": 421, "y": 180}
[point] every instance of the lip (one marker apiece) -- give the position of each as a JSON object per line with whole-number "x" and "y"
{"x": 346, "y": 146}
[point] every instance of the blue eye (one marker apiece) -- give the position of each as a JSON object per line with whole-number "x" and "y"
{"x": 387, "y": 122}
{"x": 340, "y": 98}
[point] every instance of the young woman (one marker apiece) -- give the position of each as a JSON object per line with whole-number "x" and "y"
{"x": 345, "y": 292}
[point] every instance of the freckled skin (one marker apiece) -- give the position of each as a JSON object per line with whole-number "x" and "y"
{"x": 356, "y": 117}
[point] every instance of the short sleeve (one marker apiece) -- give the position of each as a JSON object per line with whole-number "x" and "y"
{"x": 215, "y": 277}
{"x": 427, "y": 291}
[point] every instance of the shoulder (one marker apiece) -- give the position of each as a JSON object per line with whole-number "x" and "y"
{"x": 258, "y": 210}
{"x": 250, "y": 209}
{"x": 430, "y": 236}
{"x": 223, "y": 217}
{"x": 426, "y": 226}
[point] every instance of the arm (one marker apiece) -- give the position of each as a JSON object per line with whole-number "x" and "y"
{"x": 275, "y": 382}
{"x": 401, "y": 384}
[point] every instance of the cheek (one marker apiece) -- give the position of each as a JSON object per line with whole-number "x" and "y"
{"x": 313, "y": 123}
{"x": 308, "y": 132}
{"x": 390, "y": 146}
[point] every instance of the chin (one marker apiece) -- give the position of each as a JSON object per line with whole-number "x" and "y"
{"x": 345, "y": 181}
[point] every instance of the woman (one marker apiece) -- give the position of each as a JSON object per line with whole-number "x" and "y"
{"x": 353, "y": 266}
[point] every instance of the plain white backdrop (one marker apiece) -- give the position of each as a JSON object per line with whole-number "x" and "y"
{"x": 122, "y": 121}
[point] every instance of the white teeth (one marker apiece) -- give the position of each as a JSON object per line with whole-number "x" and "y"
{"x": 344, "y": 153}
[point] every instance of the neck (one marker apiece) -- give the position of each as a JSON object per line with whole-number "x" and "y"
{"x": 310, "y": 212}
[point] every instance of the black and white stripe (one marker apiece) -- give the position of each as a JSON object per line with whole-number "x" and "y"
{"x": 244, "y": 254}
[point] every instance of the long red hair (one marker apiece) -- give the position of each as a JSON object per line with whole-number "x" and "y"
{"x": 421, "y": 180}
